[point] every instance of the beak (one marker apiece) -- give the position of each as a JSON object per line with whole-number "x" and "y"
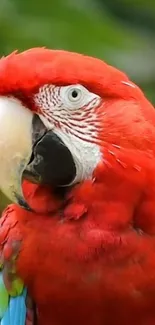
{"x": 28, "y": 150}
{"x": 18, "y": 132}
{"x": 52, "y": 162}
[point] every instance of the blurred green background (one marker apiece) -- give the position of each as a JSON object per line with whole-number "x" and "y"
{"x": 122, "y": 32}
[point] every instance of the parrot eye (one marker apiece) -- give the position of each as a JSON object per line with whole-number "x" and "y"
{"x": 52, "y": 98}
{"x": 76, "y": 96}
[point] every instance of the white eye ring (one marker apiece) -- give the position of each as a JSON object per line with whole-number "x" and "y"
{"x": 74, "y": 94}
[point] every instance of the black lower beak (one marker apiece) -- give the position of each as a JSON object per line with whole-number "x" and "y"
{"x": 51, "y": 162}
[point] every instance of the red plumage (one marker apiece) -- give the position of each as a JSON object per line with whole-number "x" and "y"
{"x": 29, "y": 70}
{"x": 89, "y": 257}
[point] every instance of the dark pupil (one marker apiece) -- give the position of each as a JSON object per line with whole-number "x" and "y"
{"x": 74, "y": 93}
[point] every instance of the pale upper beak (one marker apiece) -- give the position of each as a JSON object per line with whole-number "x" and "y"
{"x": 17, "y": 136}
{"x": 30, "y": 150}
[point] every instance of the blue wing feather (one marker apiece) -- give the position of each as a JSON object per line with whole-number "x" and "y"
{"x": 15, "y": 311}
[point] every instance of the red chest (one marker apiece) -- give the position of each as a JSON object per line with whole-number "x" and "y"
{"x": 82, "y": 274}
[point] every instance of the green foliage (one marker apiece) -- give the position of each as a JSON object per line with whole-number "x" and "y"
{"x": 120, "y": 32}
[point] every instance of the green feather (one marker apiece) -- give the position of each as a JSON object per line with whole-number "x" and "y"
{"x": 4, "y": 297}
{"x": 16, "y": 287}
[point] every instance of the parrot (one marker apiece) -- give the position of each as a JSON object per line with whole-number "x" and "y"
{"x": 77, "y": 143}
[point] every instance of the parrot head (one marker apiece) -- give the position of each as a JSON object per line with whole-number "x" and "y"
{"x": 59, "y": 112}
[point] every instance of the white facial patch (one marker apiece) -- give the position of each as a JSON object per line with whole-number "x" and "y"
{"x": 71, "y": 112}
{"x": 86, "y": 155}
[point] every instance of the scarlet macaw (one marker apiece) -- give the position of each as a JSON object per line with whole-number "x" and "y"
{"x": 84, "y": 243}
